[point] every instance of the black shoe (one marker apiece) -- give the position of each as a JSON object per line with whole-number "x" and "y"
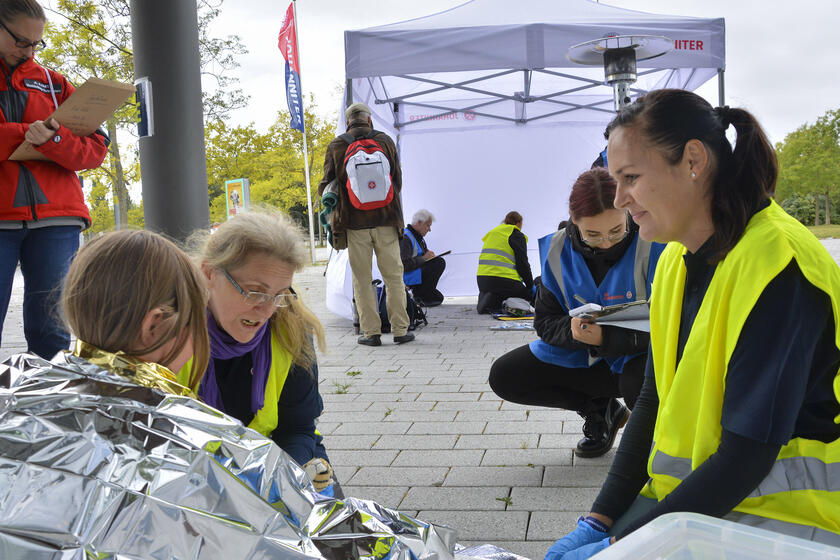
{"x": 600, "y": 429}
{"x": 372, "y": 340}
{"x": 407, "y": 337}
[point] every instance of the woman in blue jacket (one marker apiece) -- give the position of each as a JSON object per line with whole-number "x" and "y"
{"x": 263, "y": 369}
{"x": 577, "y": 364}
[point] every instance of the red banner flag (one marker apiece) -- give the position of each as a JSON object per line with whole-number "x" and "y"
{"x": 287, "y": 41}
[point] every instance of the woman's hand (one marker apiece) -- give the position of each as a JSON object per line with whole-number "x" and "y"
{"x": 40, "y": 131}
{"x": 586, "y": 331}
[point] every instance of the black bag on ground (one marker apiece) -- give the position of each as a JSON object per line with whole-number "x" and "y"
{"x": 416, "y": 315}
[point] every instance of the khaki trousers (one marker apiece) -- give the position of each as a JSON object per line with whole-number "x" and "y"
{"x": 384, "y": 241}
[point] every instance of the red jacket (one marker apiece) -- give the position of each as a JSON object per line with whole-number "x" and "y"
{"x": 32, "y": 190}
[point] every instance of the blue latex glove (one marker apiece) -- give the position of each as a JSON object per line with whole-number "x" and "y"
{"x": 585, "y": 534}
{"x": 534, "y": 290}
{"x": 587, "y": 551}
{"x": 328, "y": 491}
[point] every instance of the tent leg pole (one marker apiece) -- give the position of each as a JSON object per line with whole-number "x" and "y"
{"x": 348, "y": 93}
{"x": 721, "y": 96}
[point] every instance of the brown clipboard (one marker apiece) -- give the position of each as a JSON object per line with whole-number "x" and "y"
{"x": 83, "y": 112}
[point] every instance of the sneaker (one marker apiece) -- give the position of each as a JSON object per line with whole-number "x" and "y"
{"x": 407, "y": 337}
{"x": 600, "y": 429}
{"x": 372, "y": 340}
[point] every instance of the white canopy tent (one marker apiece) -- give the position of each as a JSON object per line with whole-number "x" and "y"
{"x": 490, "y": 115}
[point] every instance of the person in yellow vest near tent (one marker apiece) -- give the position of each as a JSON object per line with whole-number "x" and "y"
{"x": 503, "y": 269}
{"x": 739, "y": 413}
{"x": 262, "y": 368}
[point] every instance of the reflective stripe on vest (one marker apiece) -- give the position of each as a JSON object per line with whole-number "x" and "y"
{"x": 812, "y": 474}
{"x": 413, "y": 277}
{"x": 497, "y": 257}
{"x": 803, "y": 486}
{"x": 265, "y": 420}
{"x": 567, "y": 276}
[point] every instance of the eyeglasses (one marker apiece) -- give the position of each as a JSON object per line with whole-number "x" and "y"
{"x": 598, "y": 239}
{"x": 258, "y": 298}
{"x": 23, "y": 43}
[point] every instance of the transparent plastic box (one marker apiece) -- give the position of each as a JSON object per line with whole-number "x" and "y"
{"x": 691, "y": 536}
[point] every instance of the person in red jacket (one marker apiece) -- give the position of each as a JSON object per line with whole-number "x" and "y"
{"x": 42, "y": 206}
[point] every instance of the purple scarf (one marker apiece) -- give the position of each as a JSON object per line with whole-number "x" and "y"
{"x": 224, "y": 347}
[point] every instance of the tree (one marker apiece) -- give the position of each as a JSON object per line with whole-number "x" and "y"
{"x": 92, "y": 38}
{"x": 809, "y": 163}
{"x": 273, "y": 162}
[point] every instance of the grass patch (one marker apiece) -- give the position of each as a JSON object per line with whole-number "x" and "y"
{"x": 341, "y": 388}
{"x": 823, "y": 232}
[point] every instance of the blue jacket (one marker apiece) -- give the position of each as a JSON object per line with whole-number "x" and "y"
{"x": 628, "y": 280}
{"x": 413, "y": 277}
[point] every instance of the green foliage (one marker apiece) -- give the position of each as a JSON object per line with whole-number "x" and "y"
{"x": 92, "y": 38}
{"x": 809, "y": 166}
{"x": 273, "y": 162}
{"x": 800, "y": 207}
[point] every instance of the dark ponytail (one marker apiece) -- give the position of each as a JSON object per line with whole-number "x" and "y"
{"x": 743, "y": 178}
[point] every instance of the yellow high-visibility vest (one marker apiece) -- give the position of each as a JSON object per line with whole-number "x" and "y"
{"x": 801, "y": 494}
{"x": 265, "y": 420}
{"x": 497, "y": 258}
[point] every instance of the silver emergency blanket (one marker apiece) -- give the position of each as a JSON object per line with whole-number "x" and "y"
{"x": 93, "y": 465}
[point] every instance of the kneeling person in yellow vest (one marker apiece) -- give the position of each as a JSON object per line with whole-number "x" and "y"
{"x": 739, "y": 414}
{"x": 263, "y": 369}
{"x": 503, "y": 268}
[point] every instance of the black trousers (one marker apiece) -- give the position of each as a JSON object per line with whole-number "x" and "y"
{"x": 493, "y": 290}
{"x": 427, "y": 290}
{"x": 520, "y": 377}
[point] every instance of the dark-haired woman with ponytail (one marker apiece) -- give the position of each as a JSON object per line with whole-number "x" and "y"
{"x": 739, "y": 414}
{"x": 577, "y": 364}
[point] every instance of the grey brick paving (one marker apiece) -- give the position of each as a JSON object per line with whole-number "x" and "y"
{"x": 440, "y": 457}
{"x": 454, "y": 498}
{"x": 450, "y": 432}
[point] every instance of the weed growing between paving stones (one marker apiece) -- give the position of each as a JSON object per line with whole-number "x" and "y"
{"x": 354, "y": 373}
{"x": 507, "y": 500}
{"x": 341, "y": 388}
{"x": 524, "y": 445}
{"x": 388, "y": 412}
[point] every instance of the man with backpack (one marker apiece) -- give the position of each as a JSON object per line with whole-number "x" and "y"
{"x": 366, "y": 167}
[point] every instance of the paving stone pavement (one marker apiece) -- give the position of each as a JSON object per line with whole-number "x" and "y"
{"x": 416, "y": 427}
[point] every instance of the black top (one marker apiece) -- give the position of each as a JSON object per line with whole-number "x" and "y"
{"x": 409, "y": 259}
{"x": 769, "y": 399}
{"x": 519, "y": 245}
{"x": 298, "y": 408}
{"x": 552, "y": 321}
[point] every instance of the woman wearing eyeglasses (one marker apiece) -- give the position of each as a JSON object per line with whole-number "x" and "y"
{"x": 577, "y": 364}
{"x": 263, "y": 369}
{"x": 42, "y": 206}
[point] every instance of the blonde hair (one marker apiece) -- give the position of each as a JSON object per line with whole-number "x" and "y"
{"x": 273, "y": 234}
{"x": 117, "y": 278}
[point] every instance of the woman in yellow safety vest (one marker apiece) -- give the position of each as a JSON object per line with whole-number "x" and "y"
{"x": 503, "y": 268}
{"x": 739, "y": 414}
{"x": 263, "y": 369}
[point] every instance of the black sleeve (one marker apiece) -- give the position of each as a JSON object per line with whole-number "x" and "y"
{"x": 552, "y": 323}
{"x": 520, "y": 253}
{"x": 410, "y": 262}
{"x": 628, "y": 473}
{"x": 785, "y": 357}
{"x": 718, "y": 485}
{"x": 298, "y": 408}
{"x": 622, "y": 342}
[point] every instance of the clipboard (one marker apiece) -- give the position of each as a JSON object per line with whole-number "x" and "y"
{"x": 83, "y": 112}
{"x": 634, "y": 315}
